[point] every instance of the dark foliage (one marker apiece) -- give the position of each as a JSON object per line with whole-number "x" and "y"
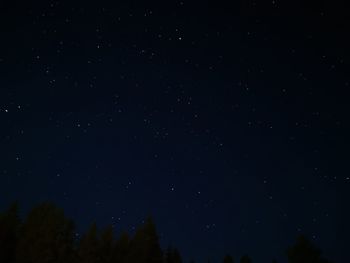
{"x": 246, "y": 259}
{"x": 9, "y": 225}
{"x": 47, "y": 236}
{"x": 228, "y": 259}
{"x": 303, "y": 251}
{"x": 173, "y": 256}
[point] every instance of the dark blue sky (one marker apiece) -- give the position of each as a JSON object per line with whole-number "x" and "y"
{"x": 226, "y": 123}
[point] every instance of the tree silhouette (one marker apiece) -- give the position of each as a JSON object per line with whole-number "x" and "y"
{"x": 172, "y": 255}
{"x": 177, "y": 256}
{"x": 9, "y": 227}
{"x": 88, "y": 246}
{"x": 144, "y": 247}
{"x": 46, "y": 236}
{"x": 106, "y": 245}
{"x": 228, "y": 259}
{"x": 245, "y": 259}
{"x": 121, "y": 248}
{"x": 303, "y": 251}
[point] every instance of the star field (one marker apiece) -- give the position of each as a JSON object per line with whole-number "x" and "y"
{"x": 226, "y": 123}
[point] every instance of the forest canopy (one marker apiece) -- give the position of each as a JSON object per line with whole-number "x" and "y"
{"x": 46, "y": 235}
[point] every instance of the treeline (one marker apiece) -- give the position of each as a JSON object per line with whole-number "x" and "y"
{"x": 47, "y": 236}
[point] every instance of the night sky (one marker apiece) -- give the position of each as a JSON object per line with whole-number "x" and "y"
{"x": 228, "y": 123}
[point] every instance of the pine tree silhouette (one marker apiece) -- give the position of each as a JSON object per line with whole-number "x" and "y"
{"x": 88, "y": 246}
{"x": 228, "y": 259}
{"x": 245, "y": 259}
{"x": 106, "y": 245}
{"x": 303, "y": 251}
{"x": 46, "y": 236}
{"x": 9, "y": 227}
{"x": 144, "y": 247}
{"x": 172, "y": 255}
{"x": 121, "y": 248}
